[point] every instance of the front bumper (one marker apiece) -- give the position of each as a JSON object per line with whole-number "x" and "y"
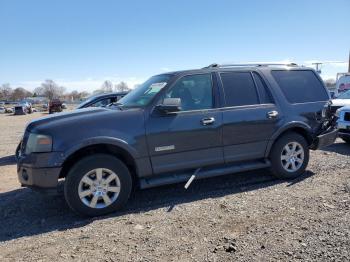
{"x": 39, "y": 170}
{"x": 325, "y": 139}
{"x": 38, "y": 177}
{"x": 344, "y": 128}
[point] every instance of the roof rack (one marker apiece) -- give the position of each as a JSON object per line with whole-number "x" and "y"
{"x": 249, "y": 64}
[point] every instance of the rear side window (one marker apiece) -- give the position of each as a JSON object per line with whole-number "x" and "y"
{"x": 265, "y": 95}
{"x": 239, "y": 89}
{"x": 300, "y": 86}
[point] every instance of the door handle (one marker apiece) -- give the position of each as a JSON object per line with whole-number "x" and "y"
{"x": 272, "y": 114}
{"x": 207, "y": 121}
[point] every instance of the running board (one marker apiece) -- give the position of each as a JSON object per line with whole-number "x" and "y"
{"x": 167, "y": 179}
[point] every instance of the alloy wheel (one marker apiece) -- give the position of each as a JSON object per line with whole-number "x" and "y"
{"x": 99, "y": 188}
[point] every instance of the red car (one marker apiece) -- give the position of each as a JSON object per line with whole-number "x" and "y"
{"x": 55, "y": 105}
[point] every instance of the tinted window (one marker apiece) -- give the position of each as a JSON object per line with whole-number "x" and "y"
{"x": 195, "y": 91}
{"x": 265, "y": 96}
{"x": 300, "y": 86}
{"x": 101, "y": 103}
{"x": 239, "y": 89}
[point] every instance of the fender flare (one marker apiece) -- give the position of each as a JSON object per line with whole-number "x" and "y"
{"x": 281, "y": 130}
{"x": 100, "y": 140}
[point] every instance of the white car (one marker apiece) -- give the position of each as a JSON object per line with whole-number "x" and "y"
{"x": 343, "y": 123}
{"x": 342, "y": 100}
{"x": 2, "y": 110}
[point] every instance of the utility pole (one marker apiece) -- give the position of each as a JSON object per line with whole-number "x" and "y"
{"x": 318, "y": 68}
{"x": 349, "y": 63}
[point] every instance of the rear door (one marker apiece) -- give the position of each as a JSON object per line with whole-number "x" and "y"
{"x": 190, "y": 138}
{"x": 250, "y": 115}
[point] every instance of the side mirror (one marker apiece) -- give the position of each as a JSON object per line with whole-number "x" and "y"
{"x": 170, "y": 105}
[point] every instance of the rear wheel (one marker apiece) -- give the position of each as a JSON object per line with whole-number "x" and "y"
{"x": 98, "y": 185}
{"x": 289, "y": 156}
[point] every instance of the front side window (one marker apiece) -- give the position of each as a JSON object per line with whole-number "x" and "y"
{"x": 143, "y": 94}
{"x": 195, "y": 92}
{"x": 239, "y": 89}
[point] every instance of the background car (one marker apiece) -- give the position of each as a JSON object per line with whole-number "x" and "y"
{"x": 23, "y": 108}
{"x": 343, "y": 123}
{"x": 340, "y": 101}
{"x": 55, "y": 105}
{"x": 9, "y": 110}
{"x": 102, "y": 100}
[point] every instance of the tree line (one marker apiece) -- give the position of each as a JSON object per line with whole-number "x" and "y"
{"x": 50, "y": 89}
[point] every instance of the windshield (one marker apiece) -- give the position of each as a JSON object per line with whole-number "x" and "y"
{"x": 88, "y": 100}
{"x": 143, "y": 94}
{"x": 345, "y": 95}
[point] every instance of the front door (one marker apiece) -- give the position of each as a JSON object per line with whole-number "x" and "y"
{"x": 192, "y": 137}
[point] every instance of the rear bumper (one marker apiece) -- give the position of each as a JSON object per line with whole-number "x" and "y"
{"x": 325, "y": 139}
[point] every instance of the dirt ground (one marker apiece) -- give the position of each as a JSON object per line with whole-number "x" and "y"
{"x": 240, "y": 217}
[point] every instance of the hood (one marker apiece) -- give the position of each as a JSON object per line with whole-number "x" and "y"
{"x": 76, "y": 120}
{"x": 341, "y": 102}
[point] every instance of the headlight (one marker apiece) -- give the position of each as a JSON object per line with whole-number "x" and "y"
{"x": 38, "y": 144}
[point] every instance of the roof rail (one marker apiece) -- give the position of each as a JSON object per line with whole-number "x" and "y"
{"x": 249, "y": 64}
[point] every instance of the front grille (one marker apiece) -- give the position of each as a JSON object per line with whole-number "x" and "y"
{"x": 347, "y": 116}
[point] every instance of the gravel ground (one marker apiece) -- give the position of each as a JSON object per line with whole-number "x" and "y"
{"x": 240, "y": 217}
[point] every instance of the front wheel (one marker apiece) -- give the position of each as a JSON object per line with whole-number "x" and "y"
{"x": 289, "y": 156}
{"x": 98, "y": 185}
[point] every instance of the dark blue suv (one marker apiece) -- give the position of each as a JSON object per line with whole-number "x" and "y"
{"x": 177, "y": 127}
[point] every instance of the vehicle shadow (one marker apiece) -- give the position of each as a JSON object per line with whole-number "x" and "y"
{"x": 26, "y": 213}
{"x": 7, "y": 160}
{"x": 339, "y": 147}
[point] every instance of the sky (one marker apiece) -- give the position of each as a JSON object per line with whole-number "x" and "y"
{"x": 81, "y": 43}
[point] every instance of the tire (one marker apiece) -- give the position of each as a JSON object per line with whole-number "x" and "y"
{"x": 284, "y": 168}
{"x": 87, "y": 167}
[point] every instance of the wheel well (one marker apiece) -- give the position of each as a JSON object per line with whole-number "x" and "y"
{"x": 300, "y": 131}
{"x": 116, "y": 151}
